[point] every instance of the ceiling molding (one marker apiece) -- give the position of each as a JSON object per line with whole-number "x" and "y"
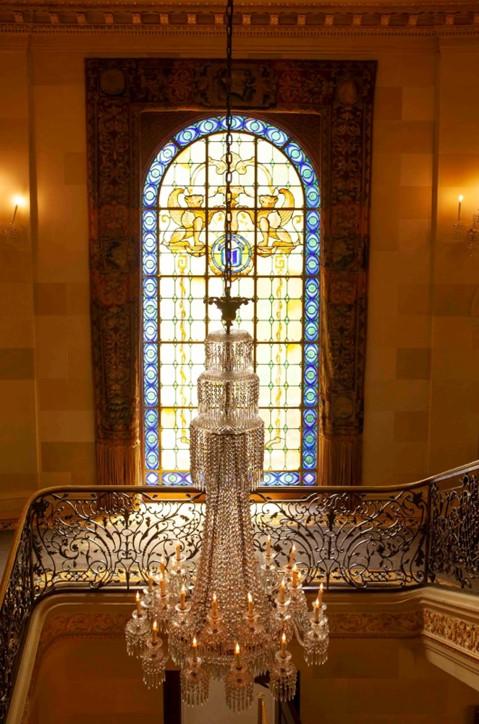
{"x": 381, "y": 19}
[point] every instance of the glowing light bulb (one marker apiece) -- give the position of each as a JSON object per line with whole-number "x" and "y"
{"x": 19, "y": 200}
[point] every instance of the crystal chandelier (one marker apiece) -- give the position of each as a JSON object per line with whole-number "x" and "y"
{"x": 235, "y": 617}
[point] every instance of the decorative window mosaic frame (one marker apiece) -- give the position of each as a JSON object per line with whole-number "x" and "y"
{"x": 119, "y": 91}
{"x": 306, "y": 474}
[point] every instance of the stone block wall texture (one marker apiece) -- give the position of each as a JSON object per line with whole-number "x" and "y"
{"x": 422, "y": 378}
{"x": 365, "y": 681}
{"x": 382, "y": 681}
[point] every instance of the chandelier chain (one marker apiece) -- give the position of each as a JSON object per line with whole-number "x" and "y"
{"x": 227, "y": 275}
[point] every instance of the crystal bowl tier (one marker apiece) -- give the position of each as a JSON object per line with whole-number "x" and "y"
{"x": 231, "y": 395}
{"x": 227, "y": 453}
{"x": 229, "y": 352}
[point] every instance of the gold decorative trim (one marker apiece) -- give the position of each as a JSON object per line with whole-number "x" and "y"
{"x": 82, "y": 625}
{"x": 401, "y": 624}
{"x": 452, "y": 630}
{"x": 8, "y": 523}
{"x": 377, "y": 19}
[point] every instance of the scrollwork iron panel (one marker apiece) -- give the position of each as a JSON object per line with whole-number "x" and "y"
{"x": 109, "y": 539}
{"x": 14, "y": 615}
{"x": 348, "y": 539}
{"x": 454, "y": 548}
{"x": 358, "y": 539}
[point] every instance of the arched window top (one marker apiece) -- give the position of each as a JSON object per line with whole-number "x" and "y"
{"x": 275, "y": 258}
{"x": 244, "y": 124}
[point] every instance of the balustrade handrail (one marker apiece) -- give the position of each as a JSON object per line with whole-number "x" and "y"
{"x": 360, "y": 537}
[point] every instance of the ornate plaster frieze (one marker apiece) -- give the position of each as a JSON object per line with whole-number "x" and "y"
{"x": 449, "y": 629}
{"x": 346, "y": 624}
{"x": 8, "y": 523}
{"x": 291, "y": 19}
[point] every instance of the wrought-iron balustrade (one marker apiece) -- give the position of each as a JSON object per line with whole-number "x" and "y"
{"x": 359, "y": 538}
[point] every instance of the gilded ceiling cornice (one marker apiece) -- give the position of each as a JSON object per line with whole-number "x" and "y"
{"x": 293, "y": 19}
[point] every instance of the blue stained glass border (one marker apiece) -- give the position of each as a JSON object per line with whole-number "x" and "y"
{"x": 281, "y": 479}
{"x": 305, "y": 170}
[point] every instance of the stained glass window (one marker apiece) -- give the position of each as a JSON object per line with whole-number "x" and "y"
{"x": 275, "y": 259}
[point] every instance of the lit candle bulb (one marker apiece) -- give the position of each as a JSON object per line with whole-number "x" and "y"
{"x": 460, "y": 199}
{"x": 162, "y": 580}
{"x": 237, "y": 655}
{"x": 182, "y": 596}
{"x": 316, "y": 609}
{"x": 295, "y": 576}
{"x": 138, "y": 603}
{"x": 154, "y": 631}
{"x": 250, "y": 605}
{"x": 320, "y": 595}
{"x": 268, "y": 550}
{"x": 194, "y": 646}
{"x": 214, "y": 605}
{"x": 292, "y": 555}
{"x": 283, "y": 644}
{"x": 178, "y": 552}
{"x": 282, "y": 591}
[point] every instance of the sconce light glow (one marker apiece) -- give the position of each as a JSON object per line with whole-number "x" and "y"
{"x": 460, "y": 198}
{"x": 11, "y": 230}
{"x": 19, "y": 200}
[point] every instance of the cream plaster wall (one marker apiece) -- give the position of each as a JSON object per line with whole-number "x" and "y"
{"x": 422, "y": 383}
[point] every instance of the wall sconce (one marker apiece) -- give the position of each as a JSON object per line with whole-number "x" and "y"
{"x": 11, "y": 231}
{"x": 468, "y": 234}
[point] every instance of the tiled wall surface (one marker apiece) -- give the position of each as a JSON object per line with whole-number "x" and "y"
{"x": 399, "y": 326}
{"x": 61, "y": 292}
{"x": 365, "y": 681}
{"x": 19, "y": 463}
{"x": 422, "y": 379}
{"x": 422, "y": 383}
{"x": 383, "y": 681}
